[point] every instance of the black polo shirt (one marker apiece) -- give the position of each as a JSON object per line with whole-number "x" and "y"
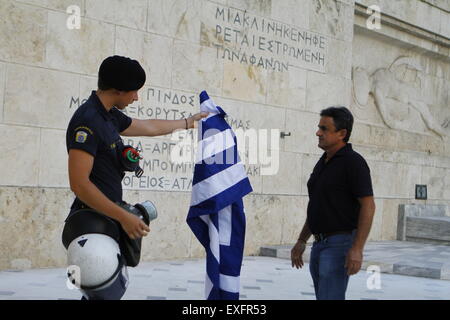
{"x": 96, "y": 131}
{"x": 334, "y": 188}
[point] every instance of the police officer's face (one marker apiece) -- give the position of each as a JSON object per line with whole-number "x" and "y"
{"x": 327, "y": 133}
{"x": 126, "y": 98}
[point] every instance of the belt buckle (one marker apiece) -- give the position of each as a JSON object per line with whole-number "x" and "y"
{"x": 319, "y": 237}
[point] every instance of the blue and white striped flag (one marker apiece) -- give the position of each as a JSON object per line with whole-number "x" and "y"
{"x": 216, "y": 215}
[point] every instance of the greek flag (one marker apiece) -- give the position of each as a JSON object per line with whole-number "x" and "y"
{"x": 216, "y": 215}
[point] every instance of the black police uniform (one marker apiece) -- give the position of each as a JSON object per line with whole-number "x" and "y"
{"x": 96, "y": 131}
{"x": 334, "y": 188}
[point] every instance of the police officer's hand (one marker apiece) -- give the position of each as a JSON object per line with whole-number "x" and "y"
{"x": 133, "y": 226}
{"x": 196, "y": 117}
{"x": 297, "y": 253}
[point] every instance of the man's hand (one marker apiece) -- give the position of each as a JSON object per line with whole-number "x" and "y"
{"x": 133, "y": 226}
{"x": 354, "y": 257}
{"x": 297, "y": 253}
{"x": 353, "y": 260}
{"x": 196, "y": 117}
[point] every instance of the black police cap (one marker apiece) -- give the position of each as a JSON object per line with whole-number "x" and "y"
{"x": 122, "y": 73}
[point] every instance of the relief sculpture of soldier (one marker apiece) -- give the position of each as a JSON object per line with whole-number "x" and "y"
{"x": 393, "y": 96}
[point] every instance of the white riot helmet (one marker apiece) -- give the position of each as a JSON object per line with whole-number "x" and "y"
{"x": 98, "y": 258}
{"x": 99, "y": 250}
{"x": 96, "y": 265}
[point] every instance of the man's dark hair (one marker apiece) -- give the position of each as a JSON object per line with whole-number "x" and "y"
{"x": 342, "y": 118}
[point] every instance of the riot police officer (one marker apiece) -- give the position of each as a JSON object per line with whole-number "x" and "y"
{"x": 94, "y": 146}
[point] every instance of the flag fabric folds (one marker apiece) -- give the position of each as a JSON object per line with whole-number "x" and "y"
{"x": 216, "y": 215}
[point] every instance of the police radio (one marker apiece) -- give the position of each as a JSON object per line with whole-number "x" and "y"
{"x": 129, "y": 158}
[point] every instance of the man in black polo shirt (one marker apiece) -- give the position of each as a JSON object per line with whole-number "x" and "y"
{"x": 93, "y": 142}
{"x": 340, "y": 209}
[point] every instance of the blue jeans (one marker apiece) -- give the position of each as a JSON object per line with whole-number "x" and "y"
{"x": 327, "y": 266}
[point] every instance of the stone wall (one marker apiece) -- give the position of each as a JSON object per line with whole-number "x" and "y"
{"x": 270, "y": 64}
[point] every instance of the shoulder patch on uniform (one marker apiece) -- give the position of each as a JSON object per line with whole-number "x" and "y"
{"x": 84, "y": 128}
{"x": 81, "y": 137}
